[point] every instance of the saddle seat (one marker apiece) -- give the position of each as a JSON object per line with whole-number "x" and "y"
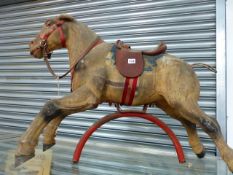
{"x": 130, "y": 63}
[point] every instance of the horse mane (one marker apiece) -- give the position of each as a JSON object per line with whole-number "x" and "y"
{"x": 66, "y": 18}
{"x": 62, "y": 17}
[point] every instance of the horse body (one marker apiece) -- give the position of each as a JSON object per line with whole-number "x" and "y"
{"x": 170, "y": 77}
{"x": 169, "y": 83}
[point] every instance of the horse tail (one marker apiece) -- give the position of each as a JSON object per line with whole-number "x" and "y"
{"x": 211, "y": 68}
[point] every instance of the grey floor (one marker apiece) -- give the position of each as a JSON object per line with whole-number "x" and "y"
{"x": 108, "y": 158}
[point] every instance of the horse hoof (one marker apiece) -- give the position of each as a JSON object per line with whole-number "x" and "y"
{"x": 47, "y": 146}
{"x": 19, "y": 160}
{"x": 201, "y": 155}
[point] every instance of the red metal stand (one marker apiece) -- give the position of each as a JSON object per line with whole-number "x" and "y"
{"x": 107, "y": 118}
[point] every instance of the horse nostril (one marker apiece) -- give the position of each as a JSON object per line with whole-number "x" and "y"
{"x": 32, "y": 42}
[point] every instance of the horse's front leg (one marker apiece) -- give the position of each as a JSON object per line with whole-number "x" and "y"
{"x": 85, "y": 97}
{"x": 49, "y": 132}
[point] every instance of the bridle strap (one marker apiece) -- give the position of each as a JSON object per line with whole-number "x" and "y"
{"x": 57, "y": 25}
{"x": 62, "y": 36}
{"x": 47, "y": 56}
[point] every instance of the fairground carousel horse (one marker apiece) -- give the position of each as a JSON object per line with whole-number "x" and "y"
{"x": 104, "y": 72}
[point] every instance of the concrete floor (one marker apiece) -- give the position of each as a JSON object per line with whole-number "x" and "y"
{"x": 108, "y": 158}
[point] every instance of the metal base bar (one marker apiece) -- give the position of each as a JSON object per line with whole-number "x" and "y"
{"x": 138, "y": 114}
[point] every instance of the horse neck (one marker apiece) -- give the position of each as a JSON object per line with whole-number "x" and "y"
{"x": 79, "y": 39}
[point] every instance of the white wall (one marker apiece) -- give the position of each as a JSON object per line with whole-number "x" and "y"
{"x": 229, "y": 38}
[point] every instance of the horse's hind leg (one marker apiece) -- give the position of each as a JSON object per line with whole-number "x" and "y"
{"x": 191, "y": 112}
{"x": 49, "y": 133}
{"x": 194, "y": 140}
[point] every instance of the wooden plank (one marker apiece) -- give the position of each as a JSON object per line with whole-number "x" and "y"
{"x": 39, "y": 165}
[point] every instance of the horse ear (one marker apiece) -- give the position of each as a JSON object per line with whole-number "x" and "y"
{"x": 49, "y": 22}
{"x": 67, "y": 18}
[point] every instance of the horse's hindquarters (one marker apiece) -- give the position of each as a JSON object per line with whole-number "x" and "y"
{"x": 175, "y": 80}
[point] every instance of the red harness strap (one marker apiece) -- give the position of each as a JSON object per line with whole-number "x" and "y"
{"x": 62, "y": 37}
{"x": 57, "y": 25}
{"x": 129, "y": 91}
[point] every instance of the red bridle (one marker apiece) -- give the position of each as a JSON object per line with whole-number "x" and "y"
{"x": 57, "y": 25}
{"x": 47, "y": 55}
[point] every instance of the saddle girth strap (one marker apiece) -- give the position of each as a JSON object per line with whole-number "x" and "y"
{"x": 129, "y": 91}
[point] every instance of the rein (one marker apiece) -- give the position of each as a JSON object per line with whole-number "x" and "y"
{"x": 47, "y": 55}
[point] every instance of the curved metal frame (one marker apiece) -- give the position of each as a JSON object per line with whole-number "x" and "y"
{"x": 107, "y": 118}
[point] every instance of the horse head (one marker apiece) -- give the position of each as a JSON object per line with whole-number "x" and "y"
{"x": 52, "y": 36}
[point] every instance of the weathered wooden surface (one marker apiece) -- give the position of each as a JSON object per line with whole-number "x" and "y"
{"x": 39, "y": 165}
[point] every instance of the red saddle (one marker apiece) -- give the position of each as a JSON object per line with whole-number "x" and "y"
{"x": 131, "y": 63}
